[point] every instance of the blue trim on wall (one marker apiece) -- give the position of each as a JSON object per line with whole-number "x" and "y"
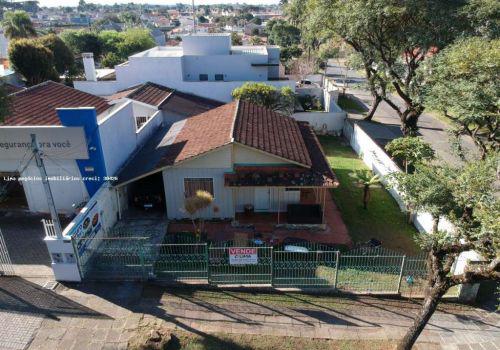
{"x": 93, "y": 177}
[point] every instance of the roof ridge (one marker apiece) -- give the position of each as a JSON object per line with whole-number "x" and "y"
{"x": 31, "y": 88}
{"x": 235, "y": 116}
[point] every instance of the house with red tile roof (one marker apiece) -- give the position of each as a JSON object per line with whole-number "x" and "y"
{"x": 253, "y": 161}
{"x": 83, "y": 139}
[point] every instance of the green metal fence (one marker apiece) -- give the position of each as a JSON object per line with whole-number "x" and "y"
{"x": 179, "y": 261}
{"x": 301, "y": 270}
{"x": 357, "y": 271}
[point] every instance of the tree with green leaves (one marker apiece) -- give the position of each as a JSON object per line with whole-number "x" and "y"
{"x": 411, "y": 150}
{"x": 236, "y": 39}
{"x": 366, "y": 180}
{"x": 268, "y": 96}
{"x": 64, "y": 60}
{"x": 134, "y": 40}
{"x": 5, "y": 101}
{"x": 284, "y": 35}
{"x": 466, "y": 197}
{"x": 33, "y": 61}
{"x": 463, "y": 83}
{"x": 394, "y": 38}
{"x": 80, "y": 41}
{"x": 17, "y": 24}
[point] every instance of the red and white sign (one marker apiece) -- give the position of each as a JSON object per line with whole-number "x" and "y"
{"x": 243, "y": 256}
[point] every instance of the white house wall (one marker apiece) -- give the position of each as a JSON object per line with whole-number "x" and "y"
{"x": 119, "y": 137}
{"x": 245, "y": 155}
{"x": 233, "y": 67}
{"x": 279, "y": 198}
{"x": 65, "y": 192}
{"x": 173, "y": 180}
{"x": 213, "y": 165}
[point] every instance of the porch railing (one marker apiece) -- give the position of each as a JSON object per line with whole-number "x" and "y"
{"x": 49, "y": 228}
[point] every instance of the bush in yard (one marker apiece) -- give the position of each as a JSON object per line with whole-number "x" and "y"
{"x": 267, "y": 96}
{"x": 411, "y": 150}
{"x": 192, "y": 205}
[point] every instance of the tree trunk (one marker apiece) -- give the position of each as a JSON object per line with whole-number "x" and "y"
{"x": 429, "y": 305}
{"x": 366, "y": 194}
{"x": 435, "y": 224}
{"x": 409, "y": 121}
{"x": 376, "y": 101}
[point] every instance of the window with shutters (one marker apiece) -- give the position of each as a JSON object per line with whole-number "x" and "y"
{"x": 191, "y": 185}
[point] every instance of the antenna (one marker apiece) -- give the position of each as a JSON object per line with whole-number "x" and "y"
{"x": 194, "y": 20}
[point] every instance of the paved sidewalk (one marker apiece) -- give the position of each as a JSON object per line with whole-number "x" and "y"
{"x": 104, "y": 316}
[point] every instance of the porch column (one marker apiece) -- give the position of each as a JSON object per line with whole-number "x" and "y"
{"x": 279, "y": 204}
{"x": 324, "y": 202}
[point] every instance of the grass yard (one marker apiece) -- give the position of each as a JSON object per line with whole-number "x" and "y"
{"x": 383, "y": 220}
{"x": 350, "y": 104}
{"x": 188, "y": 341}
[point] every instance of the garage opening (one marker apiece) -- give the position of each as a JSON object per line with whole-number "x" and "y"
{"x": 12, "y": 194}
{"x": 147, "y": 194}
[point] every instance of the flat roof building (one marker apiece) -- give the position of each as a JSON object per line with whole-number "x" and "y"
{"x": 206, "y": 65}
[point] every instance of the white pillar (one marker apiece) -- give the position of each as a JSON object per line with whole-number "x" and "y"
{"x": 89, "y": 66}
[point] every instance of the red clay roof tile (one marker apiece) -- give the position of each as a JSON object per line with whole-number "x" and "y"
{"x": 37, "y": 104}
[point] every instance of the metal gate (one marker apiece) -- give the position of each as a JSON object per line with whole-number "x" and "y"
{"x": 6, "y": 267}
{"x": 223, "y": 270}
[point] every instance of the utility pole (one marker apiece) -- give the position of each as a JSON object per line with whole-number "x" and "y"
{"x": 46, "y": 186}
{"x": 194, "y": 20}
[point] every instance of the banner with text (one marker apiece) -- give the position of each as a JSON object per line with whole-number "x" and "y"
{"x": 54, "y": 141}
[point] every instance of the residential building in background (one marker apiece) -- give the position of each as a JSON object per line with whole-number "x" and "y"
{"x": 204, "y": 64}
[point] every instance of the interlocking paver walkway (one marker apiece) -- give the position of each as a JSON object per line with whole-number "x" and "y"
{"x": 104, "y": 316}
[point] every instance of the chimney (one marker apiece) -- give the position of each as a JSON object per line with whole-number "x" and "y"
{"x": 89, "y": 66}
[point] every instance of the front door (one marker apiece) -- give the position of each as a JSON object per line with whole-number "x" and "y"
{"x": 262, "y": 199}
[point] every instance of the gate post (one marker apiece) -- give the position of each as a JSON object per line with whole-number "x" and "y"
{"x": 207, "y": 260}
{"x": 272, "y": 266}
{"x": 401, "y": 273}
{"x": 337, "y": 260}
{"x": 63, "y": 254}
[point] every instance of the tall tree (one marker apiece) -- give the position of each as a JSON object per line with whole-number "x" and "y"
{"x": 17, "y": 24}
{"x": 32, "y": 60}
{"x": 466, "y": 197}
{"x": 394, "y": 38}
{"x": 464, "y": 84}
{"x": 80, "y": 41}
{"x": 5, "y": 101}
{"x": 64, "y": 59}
{"x": 284, "y": 34}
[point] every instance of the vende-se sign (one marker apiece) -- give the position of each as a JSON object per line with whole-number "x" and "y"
{"x": 243, "y": 256}
{"x": 55, "y": 141}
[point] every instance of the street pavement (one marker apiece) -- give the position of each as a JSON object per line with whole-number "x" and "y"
{"x": 431, "y": 129}
{"x": 106, "y": 315}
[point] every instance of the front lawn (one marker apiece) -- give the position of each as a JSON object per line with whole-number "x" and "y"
{"x": 383, "y": 220}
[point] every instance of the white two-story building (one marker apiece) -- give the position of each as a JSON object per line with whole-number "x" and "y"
{"x": 205, "y": 65}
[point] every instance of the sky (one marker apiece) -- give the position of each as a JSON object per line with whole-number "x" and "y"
{"x": 154, "y": 2}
